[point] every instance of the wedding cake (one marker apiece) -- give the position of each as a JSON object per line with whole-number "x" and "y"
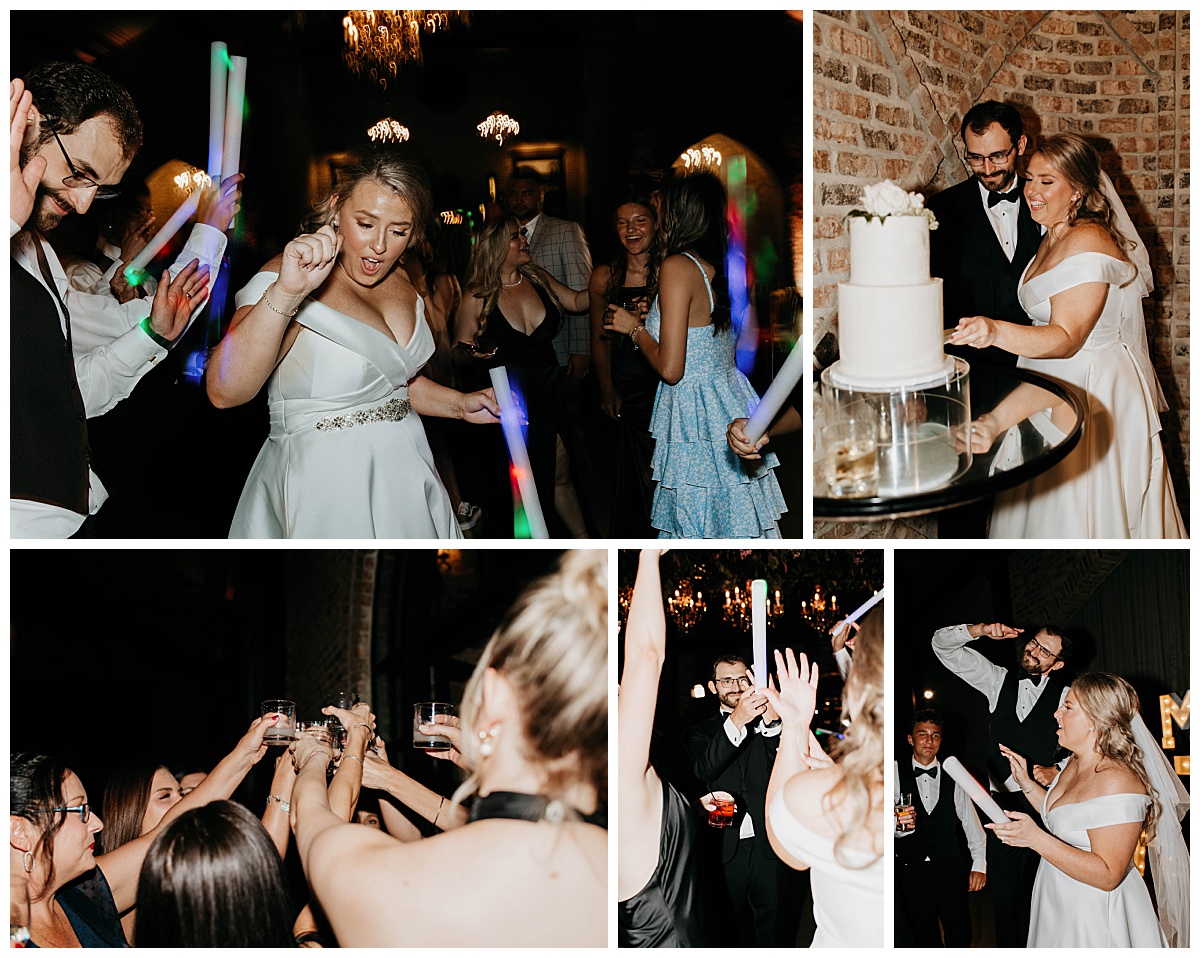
{"x": 890, "y": 313}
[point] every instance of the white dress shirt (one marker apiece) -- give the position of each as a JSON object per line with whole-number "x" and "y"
{"x": 737, "y": 736}
{"x": 929, "y": 788}
{"x": 87, "y": 277}
{"x": 1003, "y": 217}
{"x": 949, "y": 645}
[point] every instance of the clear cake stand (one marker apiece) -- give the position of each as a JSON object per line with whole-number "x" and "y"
{"x": 921, "y": 425}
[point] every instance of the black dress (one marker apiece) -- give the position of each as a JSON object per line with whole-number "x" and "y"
{"x": 665, "y": 913}
{"x": 535, "y": 375}
{"x": 636, "y": 383}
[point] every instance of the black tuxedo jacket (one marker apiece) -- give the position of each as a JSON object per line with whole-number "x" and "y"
{"x": 742, "y": 770}
{"x": 977, "y": 278}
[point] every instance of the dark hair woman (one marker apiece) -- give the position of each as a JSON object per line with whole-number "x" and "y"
{"x": 75, "y": 897}
{"x": 628, "y": 383}
{"x": 213, "y": 879}
{"x": 703, "y": 490}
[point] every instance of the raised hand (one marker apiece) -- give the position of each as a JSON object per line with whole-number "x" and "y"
{"x": 22, "y": 183}
{"x": 307, "y": 262}
{"x": 993, "y": 630}
{"x": 305, "y": 749}
{"x": 842, "y": 635}
{"x": 376, "y": 766}
{"x": 361, "y": 714}
{"x": 1018, "y": 765}
{"x": 448, "y": 727}
{"x": 252, "y": 741}
{"x": 220, "y": 203}
{"x": 750, "y": 706}
{"x": 796, "y": 700}
{"x": 176, "y": 299}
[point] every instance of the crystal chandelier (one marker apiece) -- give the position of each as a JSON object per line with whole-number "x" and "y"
{"x": 686, "y": 606}
{"x": 388, "y": 131}
{"x": 499, "y": 125}
{"x": 820, "y": 612}
{"x": 378, "y": 42}
{"x": 738, "y": 610}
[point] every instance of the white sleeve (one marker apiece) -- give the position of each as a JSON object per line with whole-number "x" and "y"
{"x": 976, "y": 836}
{"x": 732, "y": 733}
{"x": 109, "y": 373}
{"x": 843, "y": 660}
{"x": 949, "y": 645}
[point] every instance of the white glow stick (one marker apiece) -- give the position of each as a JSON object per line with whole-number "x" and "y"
{"x": 160, "y": 239}
{"x": 864, "y": 608}
{"x": 518, "y": 454}
{"x": 234, "y": 100}
{"x": 758, "y": 610}
{"x": 974, "y": 790}
{"x": 218, "y": 71}
{"x": 776, "y": 395}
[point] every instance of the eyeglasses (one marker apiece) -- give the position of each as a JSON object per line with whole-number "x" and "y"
{"x": 85, "y": 811}
{"x": 77, "y": 181}
{"x": 1041, "y": 648}
{"x": 741, "y": 681}
{"x": 994, "y": 158}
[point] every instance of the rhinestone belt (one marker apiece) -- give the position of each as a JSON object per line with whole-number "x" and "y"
{"x": 391, "y": 411}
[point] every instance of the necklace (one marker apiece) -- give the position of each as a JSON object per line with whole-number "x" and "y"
{"x": 520, "y": 280}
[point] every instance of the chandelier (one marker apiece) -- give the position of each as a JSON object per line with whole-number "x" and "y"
{"x": 388, "y": 131}
{"x": 499, "y": 125}
{"x": 738, "y": 610}
{"x": 820, "y": 612}
{"x": 706, "y": 157}
{"x": 378, "y": 42}
{"x": 686, "y": 606}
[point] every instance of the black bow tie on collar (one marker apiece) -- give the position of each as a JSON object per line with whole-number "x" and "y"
{"x": 1010, "y": 197}
{"x": 1035, "y": 679}
{"x": 931, "y": 771}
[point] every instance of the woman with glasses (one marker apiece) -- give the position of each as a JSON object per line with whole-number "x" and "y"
{"x": 63, "y": 892}
{"x": 1083, "y": 291}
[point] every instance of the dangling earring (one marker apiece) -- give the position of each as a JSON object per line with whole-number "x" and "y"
{"x": 487, "y": 744}
{"x": 27, "y": 862}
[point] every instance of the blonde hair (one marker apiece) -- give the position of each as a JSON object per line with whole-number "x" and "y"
{"x": 404, "y": 177}
{"x": 860, "y": 752}
{"x": 553, "y": 646}
{"x": 1111, "y": 703}
{"x": 487, "y": 257}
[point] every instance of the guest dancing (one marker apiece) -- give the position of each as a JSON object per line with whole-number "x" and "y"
{"x": 535, "y": 733}
{"x": 823, "y": 814}
{"x": 1083, "y": 290}
{"x": 703, "y": 490}
{"x": 1116, "y": 787}
{"x": 628, "y": 384}
{"x": 339, "y": 336}
{"x": 513, "y": 323}
{"x": 657, "y": 894}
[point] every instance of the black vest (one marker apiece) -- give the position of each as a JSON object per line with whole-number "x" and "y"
{"x": 48, "y": 441}
{"x": 1036, "y": 738}
{"x": 936, "y": 835}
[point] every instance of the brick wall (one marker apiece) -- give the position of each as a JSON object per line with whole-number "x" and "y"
{"x": 890, "y": 89}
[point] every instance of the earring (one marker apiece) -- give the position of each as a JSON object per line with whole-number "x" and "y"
{"x": 487, "y": 743}
{"x": 27, "y": 862}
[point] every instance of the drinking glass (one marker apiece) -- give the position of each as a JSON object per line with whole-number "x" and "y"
{"x": 322, "y": 730}
{"x": 340, "y": 700}
{"x": 850, "y": 460}
{"x": 904, "y": 806}
{"x": 284, "y": 731}
{"x": 721, "y": 814}
{"x": 423, "y": 714}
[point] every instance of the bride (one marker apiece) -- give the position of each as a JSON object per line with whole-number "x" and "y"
{"x": 1083, "y": 290}
{"x": 339, "y": 336}
{"x": 1115, "y": 788}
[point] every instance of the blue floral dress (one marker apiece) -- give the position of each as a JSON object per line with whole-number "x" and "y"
{"x": 704, "y": 491}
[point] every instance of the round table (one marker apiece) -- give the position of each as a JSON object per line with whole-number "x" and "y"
{"x": 986, "y": 476}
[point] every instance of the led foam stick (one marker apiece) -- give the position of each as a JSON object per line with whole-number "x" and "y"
{"x": 776, "y": 395}
{"x": 218, "y": 71}
{"x": 864, "y": 608}
{"x": 234, "y": 102}
{"x": 975, "y": 791}
{"x": 135, "y": 272}
{"x": 758, "y": 610}
{"x": 518, "y": 454}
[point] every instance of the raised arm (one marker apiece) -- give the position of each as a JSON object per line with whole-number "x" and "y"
{"x": 794, "y": 702}
{"x": 359, "y": 724}
{"x": 431, "y": 806}
{"x": 949, "y": 645}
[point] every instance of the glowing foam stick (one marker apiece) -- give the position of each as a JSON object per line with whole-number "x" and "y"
{"x": 758, "y": 610}
{"x": 864, "y": 608}
{"x": 135, "y": 272}
{"x": 218, "y": 71}
{"x": 974, "y": 790}
{"x": 234, "y": 102}
{"x": 518, "y": 454}
{"x": 776, "y": 395}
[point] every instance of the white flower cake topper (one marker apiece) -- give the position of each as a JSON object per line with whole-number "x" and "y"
{"x": 887, "y": 199}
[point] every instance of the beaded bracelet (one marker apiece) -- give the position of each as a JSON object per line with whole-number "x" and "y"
{"x": 276, "y": 309}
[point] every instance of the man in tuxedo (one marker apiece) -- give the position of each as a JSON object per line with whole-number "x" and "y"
{"x": 932, "y": 875}
{"x": 733, "y": 751}
{"x": 1022, "y": 703}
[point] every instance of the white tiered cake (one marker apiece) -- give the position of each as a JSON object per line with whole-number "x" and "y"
{"x": 890, "y": 313}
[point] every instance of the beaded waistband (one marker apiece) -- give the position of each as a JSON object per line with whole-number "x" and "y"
{"x": 391, "y": 411}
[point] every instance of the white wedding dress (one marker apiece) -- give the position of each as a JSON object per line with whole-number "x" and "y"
{"x": 1114, "y": 483}
{"x": 847, "y": 902}
{"x": 1069, "y": 914}
{"x": 372, "y": 479}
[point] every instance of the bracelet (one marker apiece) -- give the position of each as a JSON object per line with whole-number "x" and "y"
{"x": 632, "y": 334}
{"x": 355, "y": 757}
{"x": 439, "y": 811}
{"x": 276, "y": 309}
{"x": 362, "y": 725}
{"x": 309, "y": 759}
{"x": 145, "y": 324}
{"x": 286, "y": 806}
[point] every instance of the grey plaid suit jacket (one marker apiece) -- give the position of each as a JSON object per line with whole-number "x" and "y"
{"x": 560, "y": 248}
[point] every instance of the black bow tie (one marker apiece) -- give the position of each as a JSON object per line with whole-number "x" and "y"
{"x": 931, "y": 771}
{"x": 1010, "y": 197}
{"x": 1035, "y": 679}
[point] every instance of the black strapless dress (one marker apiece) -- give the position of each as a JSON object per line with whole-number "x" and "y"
{"x": 636, "y": 383}
{"x": 665, "y": 913}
